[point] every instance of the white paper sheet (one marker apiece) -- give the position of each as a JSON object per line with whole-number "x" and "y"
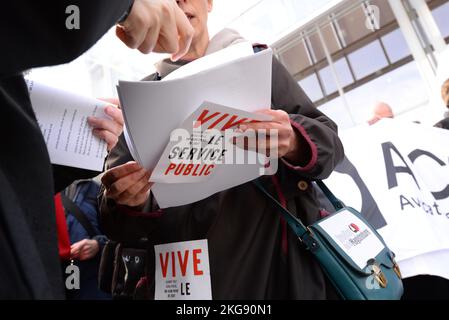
{"x": 239, "y": 50}
{"x": 62, "y": 117}
{"x": 153, "y": 110}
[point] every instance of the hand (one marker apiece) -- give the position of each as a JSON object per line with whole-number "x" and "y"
{"x": 84, "y": 250}
{"x": 157, "y": 25}
{"x": 108, "y": 129}
{"x": 127, "y": 184}
{"x": 286, "y": 145}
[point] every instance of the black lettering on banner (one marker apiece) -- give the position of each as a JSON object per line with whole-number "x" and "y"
{"x": 405, "y": 202}
{"x": 439, "y": 195}
{"x": 392, "y": 170}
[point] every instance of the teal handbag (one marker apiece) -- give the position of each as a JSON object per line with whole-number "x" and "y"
{"x": 351, "y": 253}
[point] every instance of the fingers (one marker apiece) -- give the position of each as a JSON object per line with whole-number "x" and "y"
{"x": 134, "y": 29}
{"x": 157, "y": 24}
{"x": 107, "y": 129}
{"x": 185, "y": 31}
{"x": 256, "y": 126}
{"x": 116, "y": 114}
{"x": 116, "y": 173}
{"x": 113, "y": 126}
{"x": 76, "y": 248}
{"x": 279, "y": 116}
{"x": 135, "y": 200}
{"x": 121, "y": 34}
{"x": 129, "y": 184}
{"x": 167, "y": 41}
{"x": 150, "y": 40}
{"x": 89, "y": 250}
{"x": 86, "y": 254}
{"x": 264, "y": 144}
{"x": 110, "y": 138}
{"x": 114, "y": 101}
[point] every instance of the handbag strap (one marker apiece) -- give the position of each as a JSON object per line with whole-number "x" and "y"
{"x": 73, "y": 209}
{"x": 338, "y": 205}
{"x": 295, "y": 223}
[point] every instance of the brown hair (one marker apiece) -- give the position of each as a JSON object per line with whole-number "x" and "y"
{"x": 445, "y": 92}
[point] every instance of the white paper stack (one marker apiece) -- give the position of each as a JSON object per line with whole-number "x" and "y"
{"x": 234, "y": 77}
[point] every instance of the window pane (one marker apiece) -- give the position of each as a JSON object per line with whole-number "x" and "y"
{"x": 386, "y": 14}
{"x": 330, "y": 40}
{"x": 401, "y": 88}
{"x": 311, "y": 87}
{"x": 317, "y": 48}
{"x": 336, "y": 110}
{"x": 352, "y": 26}
{"x": 266, "y": 19}
{"x": 396, "y": 45}
{"x": 368, "y": 60}
{"x": 296, "y": 58}
{"x": 344, "y": 75}
{"x": 441, "y": 15}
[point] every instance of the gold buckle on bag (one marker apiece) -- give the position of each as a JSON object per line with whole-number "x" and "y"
{"x": 396, "y": 269}
{"x": 379, "y": 275}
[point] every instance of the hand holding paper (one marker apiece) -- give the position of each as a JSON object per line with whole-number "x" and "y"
{"x": 127, "y": 184}
{"x": 108, "y": 129}
{"x": 280, "y": 139}
{"x": 62, "y": 117}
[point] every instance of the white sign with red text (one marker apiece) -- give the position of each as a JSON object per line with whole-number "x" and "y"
{"x": 182, "y": 271}
{"x": 203, "y": 143}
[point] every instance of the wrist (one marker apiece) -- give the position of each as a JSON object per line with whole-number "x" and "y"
{"x": 126, "y": 13}
{"x": 299, "y": 154}
{"x": 294, "y": 146}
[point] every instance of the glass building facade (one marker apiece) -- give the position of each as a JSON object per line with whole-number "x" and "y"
{"x": 348, "y": 57}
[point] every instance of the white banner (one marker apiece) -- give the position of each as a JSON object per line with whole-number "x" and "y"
{"x": 397, "y": 175}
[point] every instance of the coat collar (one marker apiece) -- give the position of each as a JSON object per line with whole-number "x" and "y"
{"x": 225, "y": 38}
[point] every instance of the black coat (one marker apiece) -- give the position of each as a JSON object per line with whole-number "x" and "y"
{"x": 33, "y": 34}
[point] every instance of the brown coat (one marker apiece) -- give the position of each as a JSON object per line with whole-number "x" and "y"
{"x": 252, "y": 254}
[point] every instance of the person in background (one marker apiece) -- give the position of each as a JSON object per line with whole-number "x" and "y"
{"x": 444, "y": 124}
{"x": 381, "y": 110}
{"x": 80, "y": 240}
{"x": 252, "y": 252}
{"x": 86, "y": 238}
{"x": 35, "y": 34}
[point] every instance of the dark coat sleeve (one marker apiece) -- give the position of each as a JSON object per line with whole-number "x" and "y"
{"x": 319, "y": 133}
{"x": 120, "y": 222}
{"x": 34, "y": 33}
{"x": 64, "y": 176}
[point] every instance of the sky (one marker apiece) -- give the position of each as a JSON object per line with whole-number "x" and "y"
{"x": 225, "y": 11}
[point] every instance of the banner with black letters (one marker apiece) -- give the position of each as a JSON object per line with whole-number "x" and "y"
{"x": 397, "y": 174}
